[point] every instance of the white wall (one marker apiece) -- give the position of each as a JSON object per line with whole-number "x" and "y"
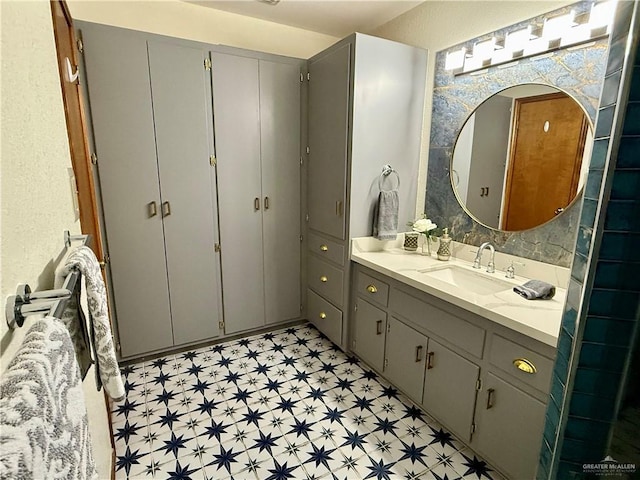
{"x": 194, "y": 22}
{"x": 35, "y": 197}
{"x": 437, "y": 25}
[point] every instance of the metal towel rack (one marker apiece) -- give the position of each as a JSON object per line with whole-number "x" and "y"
{"x": 51, "y": 302}
{"x": 386, "y": 171}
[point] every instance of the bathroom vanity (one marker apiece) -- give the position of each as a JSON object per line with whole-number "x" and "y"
{"x": 461, "y": 344}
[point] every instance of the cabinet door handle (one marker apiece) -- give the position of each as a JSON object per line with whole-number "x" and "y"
{"x": 166, "y": 209}
{"x": 379, "y": 327}
{"x": 490, "y": 398}
{"x": 323, "y": 315}
{"x": 419, "y": 353}
{"x": 256, "y": 204}
{"x": 524, "y": 365}
{"x": 152, "y": 208}
{"x": 323, "y": 279}
{"x": 266, "y": 203}
{"x": 339, "y": 208}
{"x": 323, "y": 248}
{"x": 430, "y": 356}
{"x": 372, "y": 289}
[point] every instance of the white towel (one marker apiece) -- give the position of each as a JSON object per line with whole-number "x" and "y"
{"x": 44, "y": 428}
{"x": 84, "y": 260}
{"x": 385, "y": 215}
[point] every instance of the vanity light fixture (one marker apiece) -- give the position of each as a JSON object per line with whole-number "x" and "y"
{"x": 567, "y": 30}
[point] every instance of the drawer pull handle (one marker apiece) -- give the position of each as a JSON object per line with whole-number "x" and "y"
{"x": 430, "y": 356}
{"x": 323, "y": 315}
{"x": 379, "y": 327}
{"x": 339, "y": 208}
{"x": 152, "y": 209}
{"x": 419, "y": 353}
{"x": 166, "y": 209}
{"x": 324, "y": 248}
{"x": 490, "y": 398}
{"x": 524, "y": 365}
{"x": 372, "y": 289}
{"x": 323, "y": 279}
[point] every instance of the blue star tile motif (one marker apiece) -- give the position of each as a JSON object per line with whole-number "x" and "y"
{"x": 189, "y": 355}
{"x": 313, "y": 353}
{"x": 276, "y": 347}
{"x": 169, "y": 418}
{"x": 224, "y": 362}
{"x": 379, "y": 470}
{"x": 412, "y": 412}
{"x": 316, "y": 393}
{"x": 302, "y": 341}
{"x": 252, "y": 354}
{"x": 328, "y": 367}
{"x": 301, "y": 428}
{"x": 200, "y": 386}
{"x": 126, "y": 408}
{"x": 195, "y": 370}
{"x": 126, "y": 461}
{"x": 281, "y": 472}
{"x": 181, "y": 473}
{"x": 126, "y": 432}
{"x": 244, "y": 342}
{"x": 333, "y": 415}
{"x": 476, "y": 467}
{"x": 174, "y": 444}
{"x": 390, "y": 392}
{"x": 354, "y": 440}
{"x": 268, "y": 336}
{"x": 287, "y": 405}
{"x": 369, "y": 375}
{"x": 385, "y": 425}
{"x": 215, "y": 430}
{"x": 273, "y": 386}
{"x": 344, "y": 384}
{"x": 207, "y": 406}
{"x": 131, "y": 386}
{"x": 301, "y": 376}
{"x": 363, "y": 403}
{"x": 242, "y": 395}
{"x": 162, "y": 378}
{"x": 224, "y": 459}
{"x": 127, "y": 370}
{"x": 320, "y": 456}
{"x": 252, "y": 416}
{"x": 262, "y": 369}
{"x": 232, "y": 377}
{"x": 218, "y": 348}
{"x": 290, "y": 331}
{"x": 152, "y": 468}
{"x": 413, "y": 453}
{"x": 441, "y": 437}
{"x": 165, "y": 397}
{"x": 289, "y": 361}
{"x": 160, "y": 362}
{"x": 265, "y": 442}
{"x": 352, "y": 360}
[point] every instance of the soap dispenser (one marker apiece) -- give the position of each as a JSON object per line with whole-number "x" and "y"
{"x": 444, "y": 250}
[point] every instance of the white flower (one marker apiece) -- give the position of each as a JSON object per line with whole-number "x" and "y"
{"x": 424, "y": 225}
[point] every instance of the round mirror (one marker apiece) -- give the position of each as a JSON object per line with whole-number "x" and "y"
{"x": 521, "y": 157}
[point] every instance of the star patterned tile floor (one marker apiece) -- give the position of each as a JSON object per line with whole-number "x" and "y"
{"x": 277, "y": 406}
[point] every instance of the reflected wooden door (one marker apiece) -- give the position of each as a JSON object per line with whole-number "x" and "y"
{"x": 546, "y": 156}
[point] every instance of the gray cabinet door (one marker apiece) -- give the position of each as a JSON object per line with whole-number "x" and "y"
{"x": 120, "y": 102}
{"x": 180, "y": 93}
{"x": 328, "y": 137}
{"x": 368, "y": 329}
{"x": 509, "y": 425}
{"x": 236, "y": 104}
{"x": 405, "y": 355}
{"x": 280, "y": 156}
{"x": 450, "y": 389}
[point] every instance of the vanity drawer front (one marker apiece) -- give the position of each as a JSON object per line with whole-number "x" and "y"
{"x": 447, "y": 326}
{"x": 327, "y": 249}
{"x": 505, "y": 354}
{"x": 325, "y": 316}
{"x": 372, "y": 289}
{"x": 326, "y": 280}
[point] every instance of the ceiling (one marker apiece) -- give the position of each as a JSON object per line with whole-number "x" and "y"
{"x": 332, "y": 17}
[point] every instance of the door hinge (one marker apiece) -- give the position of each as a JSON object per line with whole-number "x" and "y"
{"x": 94, "y": 159}
{"x": 308, "y": 150}
{"x": 213, "y": 161}
{"x": 478, "y": 385}
{"x": 355, "y": 307}
{"x": 301, "y": 77}
{"x": 306, "y": 217}
{"x": 221, "y": 325}
{"x": 79, "y": 44}
{"x": 301, "y": 238}
{"x": 386, "y": 362}
{"x": 207, "y": 64}
{"x": 473, "y": 428}
{"x": 308, "y": 76}
{"x": 217, "y": 248}
{"x": 388, "y": 328}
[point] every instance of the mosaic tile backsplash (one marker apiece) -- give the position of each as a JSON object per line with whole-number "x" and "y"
{"x": 579, "y": 72}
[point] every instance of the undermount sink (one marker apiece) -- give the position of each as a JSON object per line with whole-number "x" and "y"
{"x": 476, "y": 282}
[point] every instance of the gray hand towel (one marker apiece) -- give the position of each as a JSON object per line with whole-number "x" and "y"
{"x": 385, "y": 215}
{"x": 534, "y": 289}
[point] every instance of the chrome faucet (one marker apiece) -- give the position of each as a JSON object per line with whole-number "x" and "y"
{"x": 491, "y": 266}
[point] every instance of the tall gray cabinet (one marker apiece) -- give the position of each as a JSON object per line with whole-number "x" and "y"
{"x": 366, "y": 99}
{"x": 257, "y": 131}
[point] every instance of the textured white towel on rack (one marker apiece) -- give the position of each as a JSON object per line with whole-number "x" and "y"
{"x": 44, "y": 429}
{"x": 85, "y": 261}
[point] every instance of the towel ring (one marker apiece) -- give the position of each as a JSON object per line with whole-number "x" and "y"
{"x": 386, "y": 171}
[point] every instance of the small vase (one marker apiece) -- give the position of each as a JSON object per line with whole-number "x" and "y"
{"x": 426, "y": 247}
{"x": 411, "y": 241}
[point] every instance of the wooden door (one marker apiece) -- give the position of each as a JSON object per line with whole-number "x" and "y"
{"x": 368, "y": 329}
{"x": 450, "y": 389}
{"x": 328, "y": 137}
{"x": 236, "y": 111}
{"x": 76, "y": 124}
{"x": 280, "y": 160}
{"x": 509, "y": 425}
{"x": 181, "y": 92}
{"x": 120, "y": 100}
{"x": 405, "y": 355}
{"x": 546, "y": 156}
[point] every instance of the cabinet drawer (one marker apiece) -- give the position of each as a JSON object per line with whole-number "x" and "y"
{"x": 453, "y": 329}
{"x": 326, "y": 280}
{"x": 504, "y": 353}
{"x": 327, "y": 249}
{"x": 372, "y": 289}
{"x": 325, "y": 316}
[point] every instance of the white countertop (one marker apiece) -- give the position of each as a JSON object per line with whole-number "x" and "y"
{"x": 538, "y": 319}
